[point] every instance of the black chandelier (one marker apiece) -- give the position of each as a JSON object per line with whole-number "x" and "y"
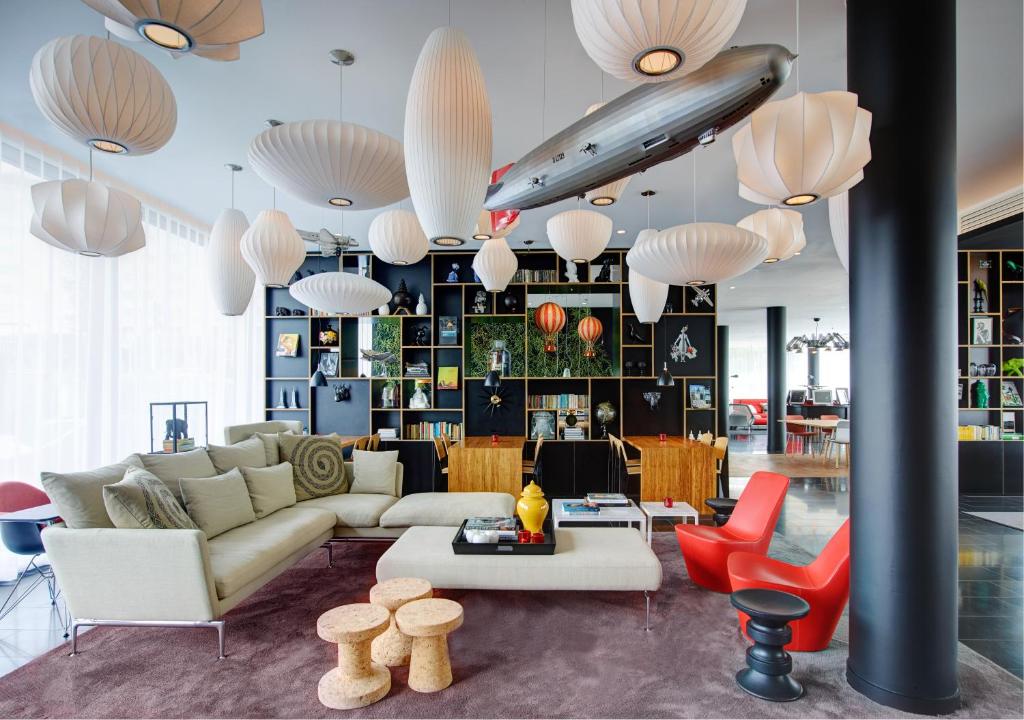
{"x": 815, "y": 342}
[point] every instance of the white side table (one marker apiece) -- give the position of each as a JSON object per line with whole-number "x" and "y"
{"x": 679, "y": 509}
{"x": 625, "y": 513}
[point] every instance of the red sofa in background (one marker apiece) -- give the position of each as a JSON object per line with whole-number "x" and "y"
{"x": 759, "y": 408}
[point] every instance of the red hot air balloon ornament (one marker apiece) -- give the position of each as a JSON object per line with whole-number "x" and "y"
{"x": 550, "y": 319}
{"x": 590, "y": 330}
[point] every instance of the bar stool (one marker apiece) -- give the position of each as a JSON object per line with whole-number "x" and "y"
{"x": 357, "y": 681}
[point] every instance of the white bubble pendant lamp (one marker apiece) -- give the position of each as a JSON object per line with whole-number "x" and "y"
{"x": 208, "y": 28}
{"x": 87, "y": 217}
{"x": 783, "y": 229}
{"x": 103, "y": 94}
{"x": 654, "y": 40}
{"x": 230, "y": 275}
{"x": 447, "y": 138}
{"x": 579, "y": 236}
{"x": 396, "y": 237}
{"x": 496, "y": 264}
{"x": 648, "y": 297}
{"x": 839, "y": 223}
{"x": 806, "y": 147}
{"x": 700, "y": 253}
{"x": 272, "y": 248}
{"x": 340, "y": 293}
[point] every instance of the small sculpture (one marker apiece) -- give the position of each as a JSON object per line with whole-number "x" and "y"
{"x": 402, "y": 300}
{"x": 629, "y": 368}
{"x": 641, "y": 368}
{"x": 566, "y": 373}
{"x": 342, "y": 392}
{"x": 980, "y": 295}
{"x": 606, "y": 271}
{"x": 571, "y": 272}
{"x": 652, "y": 398}
{"x": 282, "y": 400}
{"x": 634, "y": 333}
{"x": 387, "y": 396}
{"x": 510, "y": 300}
{"x": 701, "y": 295}
{"x": 295, "y": 398}
{"x": 384, "y": 309}
{"x": 979, "y": 391}
{"x": 298, "y": 313}
{"x": 480, "y": 302}
{"x": 419, "y": 399}
{"x": 421, "y": 306}
{"x": 328, "y": 336}
{"x": 282, "y": 311}
{"x": 176, "y": 429}
{"x": 682, "y": 350}
{"x": 453, "y": 274}
{"x": 668, "y": 307}
{"x": 422, "y": 336}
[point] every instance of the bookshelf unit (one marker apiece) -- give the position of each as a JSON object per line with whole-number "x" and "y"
{"x": 989, "y": 320}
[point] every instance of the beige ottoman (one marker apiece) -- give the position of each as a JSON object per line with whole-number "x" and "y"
{"x": 357, "y": 681}
{"x": 428, "y": 622}
{"x": 393, "y": 647}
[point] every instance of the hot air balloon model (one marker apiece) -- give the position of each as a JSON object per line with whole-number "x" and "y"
{"x": 590, "y": 330}
{"x": 550, "y": 319}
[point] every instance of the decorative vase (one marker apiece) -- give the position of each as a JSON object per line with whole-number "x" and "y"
{"x": 384, "y": 309}
{"x": 421, "y": 306}
{"x": 532, "y": 508}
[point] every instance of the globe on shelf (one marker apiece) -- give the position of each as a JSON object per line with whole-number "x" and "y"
{"x": 606, "y": 414}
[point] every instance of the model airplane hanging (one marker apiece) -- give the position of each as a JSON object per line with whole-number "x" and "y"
{"x": 384, "y": 357}
{"x": 701, "y": 295}
{"x": 646, "y": 126}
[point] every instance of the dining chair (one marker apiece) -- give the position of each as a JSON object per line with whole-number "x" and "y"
{"x": 374, "y": 444}
{"x": 442, "y": 455}
{"x": 446, "y": 440}
{"x": 533, "y": 467}
{"x": 706, "y": 438}
{"x": 840, "y": 440}
{"x": 620, "y": 466}
{"x": 362, "y": 443}
{"x": 826, "y": 433}
{"x": 24, "y": 539}
{"x": 741, "y": 419}
{"x": 800, "y": 435}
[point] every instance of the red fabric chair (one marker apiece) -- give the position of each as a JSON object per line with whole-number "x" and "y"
{"x": 824, "y": 584}
{"x": 706, "y": 549}
{"x": 759, "y": 408}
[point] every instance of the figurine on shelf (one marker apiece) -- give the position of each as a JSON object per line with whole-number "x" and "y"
{"x": 342, "y": 392}
{"x": 634, "y": 333}
{"x": 402, "y": 300}
{"x": 298, "y": 313}
{"x": 282, "y": 400}
{"x": 453, "y": 274}
{"x": 566, "y": 373}
{"x": 606, "y": 415}
{"x": 422, "y": 336}
{"x": 641, "y": 368}
{"x": 629, "y": 368}
{"x": 282, "y": 311}
{"x": 980, "y": 295}
{"x": 480, "y": 302}
{"x": 328, "y": 336}
{"x": 668, "y": 308}
{"x": 571, "y": 272}
{"x": 384, "y": 309}
{"x": 511, "y": 301}
{"x": 295, "y": 398}
{"x": 701, "y": 295}
{"x": 387, "y": 396}
{"x": 176, "y": 429}
{"x": 606, "y": 271}
{"x": 682, "y": 349}
{"x": 419, "y": 399}
{"x": 652, "y": 398}
{"x": 421, "y": 306}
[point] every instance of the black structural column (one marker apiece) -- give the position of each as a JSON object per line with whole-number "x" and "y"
{"x": 903, "y": 489}
{"x": 776, "y": 378}
{"x": 722, "y": 399}
{"x": 813, "y": 377}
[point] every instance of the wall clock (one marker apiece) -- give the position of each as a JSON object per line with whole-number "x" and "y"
{"x": 493, "y": 400}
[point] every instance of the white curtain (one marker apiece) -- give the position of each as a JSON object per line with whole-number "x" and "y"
{"x": 87, "y": 343}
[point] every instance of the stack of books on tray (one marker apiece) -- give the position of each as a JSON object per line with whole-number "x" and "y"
{"x": 607, "y": 500}
{"x": 505, "y": 526}
{"x": 388, "y": 433}
{"x": 575, "y": 507}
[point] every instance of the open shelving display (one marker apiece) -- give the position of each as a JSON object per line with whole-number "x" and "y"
{"x": 382, "y": 369}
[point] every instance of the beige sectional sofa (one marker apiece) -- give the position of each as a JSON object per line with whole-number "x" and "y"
{"x": 179, "y": 578}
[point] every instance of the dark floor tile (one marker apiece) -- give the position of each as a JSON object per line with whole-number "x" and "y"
{"x": 991, "y": 627}
{"x": 983, "y": 588}
{"x": 982, "y": 605}
{"x": 979, "y": 572}
{"x": 1004, "y": 653}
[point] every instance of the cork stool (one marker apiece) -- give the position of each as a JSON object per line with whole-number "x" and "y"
{"x": 428, "y": 622}
{"x": 357, "y": 681}
{"x": 393, "y": 647}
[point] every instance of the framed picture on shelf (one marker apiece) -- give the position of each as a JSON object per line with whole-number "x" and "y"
{"x": 700, "y": 396}
{"x": 329, "y": 363}
{"x": 448, "y": 330}
{"x": 448, "y": 378}
{"x": 287, "y": 345}
{"x": 1010, "y": 396}
{"x": 981, "y": 331}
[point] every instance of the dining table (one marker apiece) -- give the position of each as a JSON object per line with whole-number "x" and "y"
{"x": 486, "y": 464}
{"x": 676, "y": 467}
{"x": 816, "y": 424}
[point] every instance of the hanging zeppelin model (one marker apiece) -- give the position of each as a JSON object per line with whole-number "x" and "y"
{"x": 648, "y": 125}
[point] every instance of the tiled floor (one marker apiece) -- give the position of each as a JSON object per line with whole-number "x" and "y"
{"x": 31, "y": 629}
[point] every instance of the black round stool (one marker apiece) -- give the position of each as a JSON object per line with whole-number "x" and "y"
{"x": 723, "y": 508}
{"x": 768, "y": 664}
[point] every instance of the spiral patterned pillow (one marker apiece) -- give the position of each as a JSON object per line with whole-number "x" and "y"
{"x": 318, "y": 466}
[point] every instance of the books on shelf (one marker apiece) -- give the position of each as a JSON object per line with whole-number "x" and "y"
{"x": 388, "y": 433}
{"x": 979, "y": 432}
{"x": 184, "y": 444}
{"x": 417, "y": 369}
{"x": 574, "y": 433}
{"x": 607, "y": 499}
{"x": 430, "y": 430}
{"x": 564, "y": 401}
{"x": 535, "y": 276}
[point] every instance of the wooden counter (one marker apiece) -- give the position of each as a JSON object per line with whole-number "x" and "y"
{"x": 475, "y": 464}
{"x": 679, "y": 468}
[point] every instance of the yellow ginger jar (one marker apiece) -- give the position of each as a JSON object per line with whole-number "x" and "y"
{"x": 532, "y": 508}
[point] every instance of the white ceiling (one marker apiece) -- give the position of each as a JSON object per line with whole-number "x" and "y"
{"x": 286, "y": 74}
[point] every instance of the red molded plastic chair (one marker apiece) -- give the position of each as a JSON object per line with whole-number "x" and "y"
{"x": 706, "y": 549}
{"x": 824, "y": 584}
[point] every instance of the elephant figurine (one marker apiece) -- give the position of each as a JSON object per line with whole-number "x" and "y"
{"x": 176, "y": 429}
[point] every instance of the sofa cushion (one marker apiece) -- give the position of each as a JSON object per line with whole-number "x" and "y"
{"x": 374, "y": 472}
{"x": 354, "y": 510}
{"x": 271, "y": 446}
{"x": 142, "y": 500}
{"x": 270, "y": 488}
{"x": 240, "y": 556}
{"x": 172, "y": 467}
{"x": 79, "y": 495}
{"x": 249, "y": 453}
{"x": 446, "y": 509}
{"x": 318, "y": 465}
{"x": 218, "y": 504}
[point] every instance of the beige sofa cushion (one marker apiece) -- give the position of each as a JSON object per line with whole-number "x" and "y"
{"x": 242, "y": 555}
{"x": 270, "y": 488}
{"x": 217, "y": 504}
{"x": 318, "y": 465}
{"x": 79, "y": 495}
{"x": 353, "y": 510}
{"x": 172, "y": 467}
{"x": 374, "y": 472}
{"x": 446, "y": 509}
{"x": 142, "y": 500}
{"x": 249, "y": 453}
{"x": 272, "y": 446}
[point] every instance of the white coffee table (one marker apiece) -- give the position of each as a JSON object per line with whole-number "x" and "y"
{"x": 679, "y": 509}
{"x": 628, "y": 514}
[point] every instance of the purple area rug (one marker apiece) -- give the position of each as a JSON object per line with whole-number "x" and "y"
{"x": 519, "y": 654}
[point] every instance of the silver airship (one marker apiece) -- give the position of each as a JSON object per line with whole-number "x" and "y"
{"x": 646, "y": 126}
